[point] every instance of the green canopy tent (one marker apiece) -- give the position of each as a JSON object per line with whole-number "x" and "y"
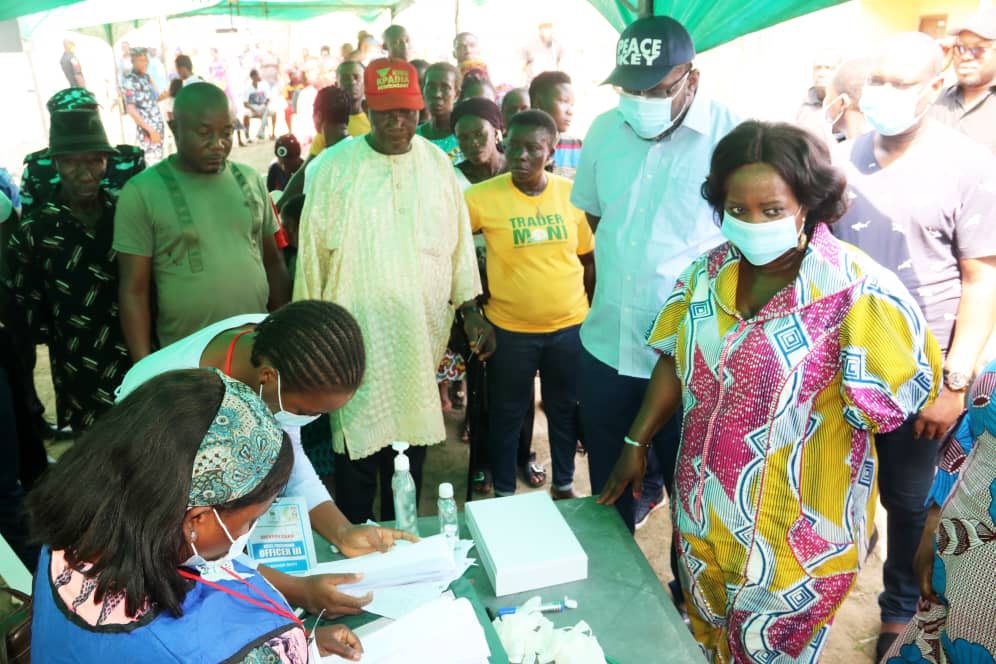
{"x": 711, "y": 22}
{"x": 293, "y": 10}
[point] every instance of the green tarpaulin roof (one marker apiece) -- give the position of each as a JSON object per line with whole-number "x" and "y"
{"x": 710, "y": 22}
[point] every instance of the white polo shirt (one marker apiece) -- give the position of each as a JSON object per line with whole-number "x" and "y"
{"x": 654, "y": 222}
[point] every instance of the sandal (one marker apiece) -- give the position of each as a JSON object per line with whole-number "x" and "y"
{"x": 533, "y": 474}
{"x": 481, "y": 482}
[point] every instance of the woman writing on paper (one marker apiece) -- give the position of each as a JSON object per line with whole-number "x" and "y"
{"x": 140, "y": 523}
{"x": 788, "y": 352}
{"x": 305, "y": 359}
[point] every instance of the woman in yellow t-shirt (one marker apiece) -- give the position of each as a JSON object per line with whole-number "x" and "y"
{"x": 540, "y": 274}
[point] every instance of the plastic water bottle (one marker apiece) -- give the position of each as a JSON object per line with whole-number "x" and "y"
{"x": 403, "y": 486}
{"x": 447, "y": 510}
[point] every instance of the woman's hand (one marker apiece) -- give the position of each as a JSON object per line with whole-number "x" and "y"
{"x": 923, "y": 560}
{"x": 629, "y": 470}
{"x": 338, "y": 640}
{"x": 321, "y": 592}
{"x": 937, "y": 419}
{"x": 355, "y": 541}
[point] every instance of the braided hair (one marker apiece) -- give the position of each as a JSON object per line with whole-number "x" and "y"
{"x": 314, "y": 345}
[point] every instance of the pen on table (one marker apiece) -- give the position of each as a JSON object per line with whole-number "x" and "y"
{"x": 555, "y": 607}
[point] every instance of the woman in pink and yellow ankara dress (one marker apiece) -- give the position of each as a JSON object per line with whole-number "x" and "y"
{"x": 787, "y": 351}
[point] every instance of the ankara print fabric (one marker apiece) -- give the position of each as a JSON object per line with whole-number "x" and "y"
{"x": 960, "y": 628}
{"x": 138, "y": 89}
{"x": 775, "y": 477}
{"x": 63, "y": 278}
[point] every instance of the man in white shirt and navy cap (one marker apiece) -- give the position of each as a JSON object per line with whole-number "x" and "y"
{"x": 638, "y": 182}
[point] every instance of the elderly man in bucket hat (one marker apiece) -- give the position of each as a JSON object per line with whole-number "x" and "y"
{"x": 60, "y": 273}
{"x": 638, "y": 182}
{"x": 385, "y": 232}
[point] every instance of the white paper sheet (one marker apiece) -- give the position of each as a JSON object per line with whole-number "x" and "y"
{"x": 430, "y": 560}
{"x": 444, "y": 631}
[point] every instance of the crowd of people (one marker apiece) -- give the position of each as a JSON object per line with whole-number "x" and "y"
{"x": 773, "y": 324}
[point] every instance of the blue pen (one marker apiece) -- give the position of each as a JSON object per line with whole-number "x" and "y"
{"x": 556, "y": 607}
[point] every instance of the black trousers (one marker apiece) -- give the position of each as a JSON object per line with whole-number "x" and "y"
{"x": 356, "y": 482}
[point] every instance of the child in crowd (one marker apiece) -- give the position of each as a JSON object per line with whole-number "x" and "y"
{"x": 552, "y": 92}
{"x": 515, "y": 100}
{"x": 290, "y": 219}
{"x": 287, "y": 151}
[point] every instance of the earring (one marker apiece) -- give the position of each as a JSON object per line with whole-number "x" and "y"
{"x": 803, "y": 242}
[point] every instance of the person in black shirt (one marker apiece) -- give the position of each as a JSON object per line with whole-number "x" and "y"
{"x": 60, "y": 274}
{"x": 288, "y": 160}
{"x": 71, "y": 66}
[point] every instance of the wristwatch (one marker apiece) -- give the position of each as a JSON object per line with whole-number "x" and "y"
{"x": 956, "y": 381}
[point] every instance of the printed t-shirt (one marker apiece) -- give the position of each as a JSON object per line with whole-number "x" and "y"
{"x": 533, "y": 244}
{"x": 921, "y": 214}
{"x": 229, "y": 229}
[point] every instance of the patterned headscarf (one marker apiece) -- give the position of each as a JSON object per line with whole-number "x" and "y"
{"x": 239, "y": 450}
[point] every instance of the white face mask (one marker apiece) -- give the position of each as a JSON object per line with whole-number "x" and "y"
{"x": 649, "y": 117}
{"x": 761, "y": 243}
{"x": 283, "y": 417}
{"x": 212, "y": 569}
{"x": 891, "y": 111}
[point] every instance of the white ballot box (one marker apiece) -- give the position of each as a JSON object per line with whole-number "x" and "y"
{"x": 524, "y": 543}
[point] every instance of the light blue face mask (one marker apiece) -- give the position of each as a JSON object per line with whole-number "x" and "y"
{"x": 891, "y": 111}
{"x": 649, "y": 117}
{"x": 762, "y": 243}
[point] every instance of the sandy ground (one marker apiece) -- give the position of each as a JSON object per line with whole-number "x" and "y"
{"x": 852, "y": 640}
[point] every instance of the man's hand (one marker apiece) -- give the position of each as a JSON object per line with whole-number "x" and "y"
{"x": 338, "y": 640}
{"x": 321, "y": 592}
{"x": 480, "y": 333}
{"x": 923, "y": 560}
{"x": 355, "y": 541}
{"x": 936, "y": 419}
{"x": 629, "y": 470}
{"x": 155, "y": 137}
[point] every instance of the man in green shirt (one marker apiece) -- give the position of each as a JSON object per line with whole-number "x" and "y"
{"x": 198, "y": 227}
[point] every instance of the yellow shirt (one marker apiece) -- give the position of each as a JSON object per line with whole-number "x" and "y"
{"x": 533, "y": 243}
{"x": 359, "y": 125}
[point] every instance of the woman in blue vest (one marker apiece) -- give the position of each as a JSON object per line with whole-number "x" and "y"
{"x": 141, "y": 522}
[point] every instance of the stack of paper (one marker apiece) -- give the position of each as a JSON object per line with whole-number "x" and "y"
{"x": 444, "y": 631}
{"x": 525, "y": 543}
{"x": 404, "y": 578}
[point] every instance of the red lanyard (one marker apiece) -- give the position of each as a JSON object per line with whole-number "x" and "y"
{"x": 231, "y": 350}
{"x": 272, "y": 608}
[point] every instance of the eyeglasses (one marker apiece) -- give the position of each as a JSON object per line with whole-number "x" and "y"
{"x": 656, "y": 93}
{"x": 976, "y": 52}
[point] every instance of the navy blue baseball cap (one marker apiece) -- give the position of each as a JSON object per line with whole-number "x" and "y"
{"x": 647, "y": 50}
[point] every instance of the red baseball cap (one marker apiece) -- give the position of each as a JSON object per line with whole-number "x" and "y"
{"x": 392, "y": 84}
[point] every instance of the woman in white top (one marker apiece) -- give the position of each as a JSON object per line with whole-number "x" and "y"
{"x": 305, "y": 359}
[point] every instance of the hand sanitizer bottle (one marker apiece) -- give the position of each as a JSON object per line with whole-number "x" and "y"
{"x": 447, "y": 510}
{"x": 403, "y": 486}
